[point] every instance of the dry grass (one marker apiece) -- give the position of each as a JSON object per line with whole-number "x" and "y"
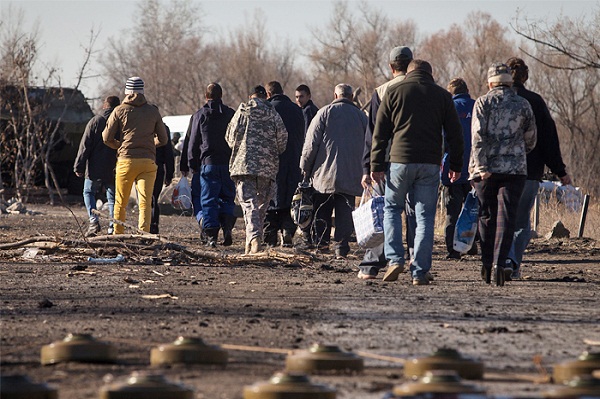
{"x": 550, "y": 213}
{"x": 553, "y": 211}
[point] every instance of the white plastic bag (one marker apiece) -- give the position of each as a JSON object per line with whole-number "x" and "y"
{"x": 466, "y": 225}
{"x": 182, "y": 194}
{"x": 368, "y": 220}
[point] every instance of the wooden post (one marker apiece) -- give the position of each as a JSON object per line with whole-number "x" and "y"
{"x": 584, "y": 209}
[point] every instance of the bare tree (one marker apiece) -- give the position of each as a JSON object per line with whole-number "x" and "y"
{"x": 564, "y": 69}
{"x": 354, "y": 49}
{"x": 32, "y": 127}
{"x": 573, "y": 38}
{"x": 467, "y": 50}
{"x": 166, "y": 49}
{"x": 245, "y": 58}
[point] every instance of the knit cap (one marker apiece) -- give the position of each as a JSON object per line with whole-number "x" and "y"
{"x": 134, "y": 84}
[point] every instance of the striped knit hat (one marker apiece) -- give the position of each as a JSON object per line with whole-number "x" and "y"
{"x": 134, "y": 84}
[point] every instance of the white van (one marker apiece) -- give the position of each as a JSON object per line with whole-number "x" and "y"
{"x": 178, "y": 125}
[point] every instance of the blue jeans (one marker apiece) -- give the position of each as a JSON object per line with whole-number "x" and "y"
{"x": 217, "y": 194}
{"x": 90, "y": 188}
{"x": 523, "y": 221}
{"x": 196, "y": 196}
{"x": 422, "y": 180}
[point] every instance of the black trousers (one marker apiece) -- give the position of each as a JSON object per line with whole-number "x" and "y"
{"x": 499, "y": 197}
{"x": 158, "y": 185}
{"x": 278, "y": 220}
{"x": 454, "y": 197}
{"x": 324, "y": 205}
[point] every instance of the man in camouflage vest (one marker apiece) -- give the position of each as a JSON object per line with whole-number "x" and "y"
{"x": 257, "y": 136}
{"x": 503, "y": 132}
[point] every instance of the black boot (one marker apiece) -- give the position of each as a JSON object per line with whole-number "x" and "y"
{"x": 486, "y": 273}
{"x": 498, "y": 275}
{"x": 202, "y": 233}
{"x": 211, "y": 234}
{"x": 287, "y": 239}
{"x": 227, "y": 223}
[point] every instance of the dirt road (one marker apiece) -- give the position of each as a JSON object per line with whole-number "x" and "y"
{"x": 285, "y": 305}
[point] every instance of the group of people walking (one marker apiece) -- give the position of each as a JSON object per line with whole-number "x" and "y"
{"x": 414, "y": 136}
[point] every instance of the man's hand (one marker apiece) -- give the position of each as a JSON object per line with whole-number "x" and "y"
{"x": 184, "y": 174}
{"x": 454, "y": 176}
{"x": 78, "y": 174}
{"x": 378, "y": 177}
{"x": 484, "y": 175}
{"x": 366, "y": 181}
{"x": 566, "y": 180}
{"x": 305, "y": 177}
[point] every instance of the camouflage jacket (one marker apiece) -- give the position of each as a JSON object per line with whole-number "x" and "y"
{"x": 256, "y": 135}
{"x": 503, "y": 132}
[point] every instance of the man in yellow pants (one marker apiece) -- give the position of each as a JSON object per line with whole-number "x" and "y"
{"x": 135, "y": 129}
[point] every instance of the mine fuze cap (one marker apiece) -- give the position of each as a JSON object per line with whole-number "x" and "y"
{"x": 499, "y": 73}
{"x": 134, "y": 84}
{"x": 400, "y": 53}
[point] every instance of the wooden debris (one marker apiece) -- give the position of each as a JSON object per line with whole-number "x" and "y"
{"x": 22, "y": 243}
{"x": 76, "y": 272}
{"x": 160, "y": 296}
{"x": 127, "y": 244}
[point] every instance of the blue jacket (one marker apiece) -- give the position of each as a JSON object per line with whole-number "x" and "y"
{"x": 289, "y": 174}
{"x": 464, "y": 107}
{"x": 207, "y": 145}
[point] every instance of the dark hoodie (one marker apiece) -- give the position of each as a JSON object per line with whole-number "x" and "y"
{"x": 289, "y": 174}
{"x": 207, "y": 144}
{"x": 547, "y": 149}
{"x": 95, "y": 158}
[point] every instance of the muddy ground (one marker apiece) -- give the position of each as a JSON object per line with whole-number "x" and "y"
{"x": 285, "y": 305}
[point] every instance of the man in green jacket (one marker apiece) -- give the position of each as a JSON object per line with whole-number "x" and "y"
{"x": 411, "y": 118}
{"x": 135, "y": 129}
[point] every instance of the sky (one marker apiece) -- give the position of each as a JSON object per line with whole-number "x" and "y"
{"x": 64, "y": 26}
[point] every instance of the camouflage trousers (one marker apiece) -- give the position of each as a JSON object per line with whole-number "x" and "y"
{"x": 254, "y": 194}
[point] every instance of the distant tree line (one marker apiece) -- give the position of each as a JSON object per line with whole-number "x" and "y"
{"x": 177, "y": 54}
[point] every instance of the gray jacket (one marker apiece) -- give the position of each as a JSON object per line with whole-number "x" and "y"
{"x": 333, "y": 147}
